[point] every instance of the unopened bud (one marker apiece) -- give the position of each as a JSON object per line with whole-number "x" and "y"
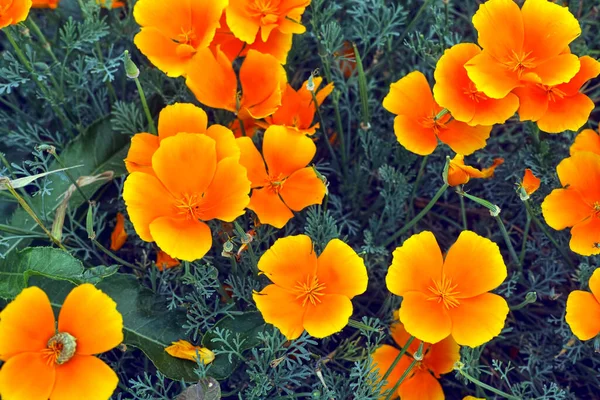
{"x": 494, "y": 212}
{"x": 228, "y": 246}
{"x": 131, "y": 69}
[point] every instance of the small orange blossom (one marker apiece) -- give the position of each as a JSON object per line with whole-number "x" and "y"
{"x": 583, "y": 310}
{"x": 118, "y": 235}
{"x": 459, "y": 173}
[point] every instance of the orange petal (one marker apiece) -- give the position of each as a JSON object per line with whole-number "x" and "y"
{"x": 302, "y": 189}
{"x": 289, "y": 261}
{"x": 401, "y": 337}
{"x": 92, "y": 318}
{"x": 188, "y": 240}
{"x": 226, "y": 145}
{"x": 251, "y": 159}
{"x": 341, "y": 270}
{"x": 585, "y": 237}
{"x": 206, "y": 15}
{"x": 281, "y": 308}
{"x": 162, "y": 51}
{"x": 139, "y": 158}
{"x": 459, "y": 173}
{"x": 328, "y": 316}
{"x": 411, "y": 96}
{"x": 569, "y": 173}
{"x": 26, "y": 324}
{"x": 594, "y": 284}
{"x": 278, "y": 142}
{"x": 464, "y": 139}
{"x": 261, "y": 77}
{"x": 569, "y": 113}
{"x": 146, "y": 199}
{"x": 499, "y": 26}
{"x": 269, "y": 208}
{"x": 278, "y": 45}
{"x": 557, "y": 69}
{"x": 530, "y": 183}
{"x": 241, "y": 23}
{"x": 533, "y": 102}
{"x": 118, "y": 235}
{"x": 587, "y": 140}
{"x": 291, "y": 105}
{"x": 477, "y": 320}
{"x": 186, "y": 163}
{"x": 383, "y": 358}
{"x": 84, "y": 377}
{"x": 413, "y": 136}
{"x": 27, "y": 376}
{"x": 187, "y": 351}
{"x": 212, "y": 80}
{"x": 564, "y": 208}
{"x": 583, "y": 314}
{"x": 16, "y": 12}
{"x": 422, "y": 385}
{"x": 165, "y": 261}
{"x": 590, "y": 68}
{"x": 474, "y": 264}
{"x": 442, "y": 356}
{"x": 181, "y": 117}
{"x": 228, "y": 195}
{"x": 489, "y": 75}
{"x": 151, "y": 13}
{"x": 427, "y": 320}
{"x": 415, "y": 264}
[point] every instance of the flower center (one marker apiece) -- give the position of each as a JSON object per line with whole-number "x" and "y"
{"x": 444, "y": 292}
{"x": 310, "y": 291}
{"x": 186, "y": 37}
{"x": 436, "y": 124}
{"x": 275, "y": 184}
{"x": 553, "y": 93}
{"x": 474, "y": 94}
{"x": 189, "y": 206}
{"x": 596, "y": 211}
{"x": 61, "y": 348}
{"x": 520, "y": 62}
{"x": 263, "y": 8}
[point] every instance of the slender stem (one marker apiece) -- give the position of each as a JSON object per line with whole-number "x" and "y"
{"x": 109, "y": 84}
{"x": 18, "y": 231}
{"x": 146, "y": 108}
{"x": 362, "y": 89}
{"x": 359, "y": 325}
{"x": 416, "y": 186}
{"x": 525, "y": 235}
{"x": 45, "y": 44}
{"x": 530, "y": 297}
{"x": 242, "y": 127}
{"x": 414, "y": 20}
{"x": 418, "y": 357}
{"x": 418, "y": 217}
{"x": 398, "y": 358}
{"x": 486, "y": 386}
{"x": 463, "y": 213}
{"x": 325, "y": 137}
{"x": 508, "y": 242}
{"x": 114, "y": 256}
{"x": 66, "y": 171}
{"x": 338, "y": 124}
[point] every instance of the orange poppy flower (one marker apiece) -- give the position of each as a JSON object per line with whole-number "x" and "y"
{"x": 583, "y": 310}
{"x": 309, "y": 292}
{"x": 174, "y": 119}
{"x": 262, "y": 78}
{"x": 577, "y": 203}
{"x": 278, "y": 44}
{"x": 44, "y": 362}
{"x": 422, "y": 381}
{"x": 443, "y": 297}
{"x": 165, "y": 261}
{"x": 190, "y": 186}
{"x": 248, "y": 18}
{"x": 522, "y": 45}
{"x": 297, "y": 110}
{"x": 416, "y": 126}
{"x": 118, "y": 235}
{"x": 561, "y": 107}
{"x": 44, "y": 4}
{"x": 281, "y": 182}
{"x": 13, "y": 11}
{"x": 187, "y": 351}
{"x": 459, "y": 173}
{"x": 530, "y": 184}
{"x": 455, "y": 91}
{"x": 170, "y": 43}
{"x": 586, "y": 140}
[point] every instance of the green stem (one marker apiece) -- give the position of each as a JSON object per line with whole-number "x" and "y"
{"x": 508, "y": 242}
{"x": 146, "y": 108}
{"x": 530, "y": 297}
{"x": 413, "y": 193}
{"x": 114, "y": 256}
{"x": 18, "y": 231}
{"x": 463, "y": 213}
{"x": 326, "y": 138}
{"x": 109, "y": 84}
{"x": 525, "y": 235}
{"x": 418, "y": 217}
{"x": 242, "y": 127}
{"x": 398, "y": 358}
{"x": 486, "y": 386}
{"x": 45, "y": 44}
{"x": 362, "y": 90}
{"x": 359, "y": 325}
{"x": 414, "y": 21}
{"x": 418, "y": 357}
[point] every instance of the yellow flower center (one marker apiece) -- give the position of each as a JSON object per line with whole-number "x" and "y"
{"x": 61, "y": 348}
{"x": 189, "y": 206}
{"x": 435, "y": 124}
{"x": 310, "y": 291}
{"x": 474, "y": 94}
{"x": 275, "y": 184}
{"x": 263, "y": 8}
{"x": 186, "y": 37}
{"x": 520, "y": 62}
{"x": 444, "y": 292}
{"x": 553, "y": 93}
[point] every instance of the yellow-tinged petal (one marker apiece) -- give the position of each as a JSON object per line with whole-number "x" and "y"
{"x": 410, "y": 96}
{"x": 212, "y": 80}
{"x": 569, "y": 172}
{"x": 585, "y": 237}
{"x": 303, "y": 188}
{"x": 569, "y": 113}
{"x": 421, "y": 385}
{"x": 594, "y": 284}
{"x": 118, "y": 235}
{"x": 491, "y": 77}
{"x": 587, "y": 140}
{"x": 442, "y": 356}
{"x": 269, "y": 208}
{"x": 225, "y": 142}
{"x": 328, "y": 316}
{"x": 341, "y": 270}
{"x": 181, "y": 117}
{"x": 583, "y": 314}
{"x": 281, "y": 308}
{"x": 383, "y": 358}
{"x": 181, "y": 238}
{"x": 139, "y": 158}
{"x": 162, "y": 52}
{"x": 530, "y": 182}
{"x": 413, "y": 136}
{"x": 187, "y": 351}
{"x": 278, "y": 142}
{"x": 84, "y": 377}
{"x": 564, "y": 208}
{"x": 463, "y": 138}
{"x": 426, "y": 319}
{"x": 27, "y": 376}
{"x": 253, "y": 161}
{"x": 262, "y": 78}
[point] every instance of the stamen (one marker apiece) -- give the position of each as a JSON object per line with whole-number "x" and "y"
{"x": 310, "y": 291}
{"x": 444, "y": 291}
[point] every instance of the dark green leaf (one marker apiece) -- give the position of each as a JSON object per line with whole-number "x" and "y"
{"x": 205, "y": 389}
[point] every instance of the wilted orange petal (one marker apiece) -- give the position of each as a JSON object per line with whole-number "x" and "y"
{"x": 428, "y": 320}
{"x": 44, "y": 3}
{"x": 415, "y": 264}
{"x": 26, "y": 324}
{"x": 165, "y": 261}
{"x": 383, "y": 358}
{"x": 84, "y": 377}
{"x": 187, "y": 351}
{"x": 442, "y": 356}
{"x": 187, "y": 240}
{"x": 564, "y": 208}
{"x": 587, "y": 140}
{"x": 269, "y": 208}
{"x": 27, "y": 376}
{"x": 139, "y": 158}
{"x": 585, "y": 237}
{"x": 569, "y": 113}
{"x": 583, "y": 314}
{"x": 474, "y": 264}
{"x": 302, "y": 189}
{"x": 281, "y": 308}
{"x": 252, "y": 160}
{"x": 569, "y": 172}
{"x": 530, "y": 183}
{"x": 533, "y": 102}
{"x": 290, "y": 260}
{"x": 261, "y": 77}
{"x": 181, "y": 117}
{"x": 342, "y": 270}
{"x": 464, "y": 139}
{"x": 212, "y": 80}
{"x": 277, "y": 145}
{"x": 118, "y": 235}
{"x": 422, "y": 385}
{"x": 328, "y": 316}
{"x": 92, "y": 318}
{"x": 414, "y": 136}
{"x": 459, "y": 173}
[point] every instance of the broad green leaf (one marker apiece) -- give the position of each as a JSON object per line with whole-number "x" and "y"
{"x": 205, "y": 389}
{"x": 247, "y": 326}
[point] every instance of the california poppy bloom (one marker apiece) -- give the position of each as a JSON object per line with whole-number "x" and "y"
{"x": 422, "y": 381}
{"x": 187, "y": 351}
{"x": 189, "y": 186}
{"x": 165, "y": 261}
{"x": 298, "y": 109}
{"x": 561, "y": 107}
{"x": 44, "y": 4}
{"x": 118, "y": 235}
{"x": 42, "y": 361}
{"x": 530, "y": 184}
{"x": 262, "y": 79}
{"x": 417, "y": 126}
{"x": 249, "y": 19}
{"x": 522, "y": 45}
{"x": 459, "y": 173}
{"x": 12, "y": 12}
{"x": 577, "y": 203}
{"x": 281, "y": 182}
{"x": 174, "y": 119}
{"x": 309, "y": 292}
{"x": 455, "y": 91}
{"x": 583, "y": 310}
{"x": 443, "y": 297}
{"x": 586, "y": 140}
{"x": 171, "y": 43}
